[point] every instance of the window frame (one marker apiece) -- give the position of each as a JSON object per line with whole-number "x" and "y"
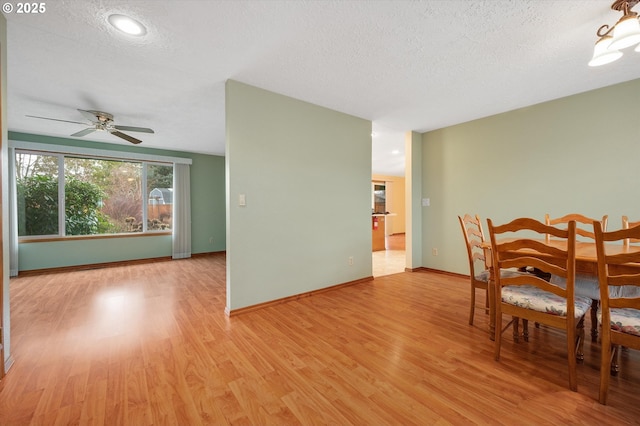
{"x": 80, "y": 152}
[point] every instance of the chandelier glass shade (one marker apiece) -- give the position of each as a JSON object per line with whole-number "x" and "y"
{"x": 602, "y": 54}
{"x": 625, "y": 33}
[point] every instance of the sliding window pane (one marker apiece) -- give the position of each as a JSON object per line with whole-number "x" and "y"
{"x": 37, "y": 194}
{"x": 160, "y": 197}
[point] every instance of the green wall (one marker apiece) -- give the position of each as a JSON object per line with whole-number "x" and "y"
{"x": 6, "y": 320}
{"x": 577, "y": 154}
{"x": 207, "y": 216}
{"x": 413, "y": 200}
{"x": 306, "y": 174}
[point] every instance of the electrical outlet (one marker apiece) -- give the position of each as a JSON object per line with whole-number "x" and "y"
{"x": 434, "y": 251}
{"x": 211, "y": 240}
{"x": 350, "y": 260}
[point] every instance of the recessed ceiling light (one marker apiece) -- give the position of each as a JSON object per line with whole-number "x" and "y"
{"x": 374, "y": 134}
{"x": 127, "y": 25}
{"x": 395, "y": 151}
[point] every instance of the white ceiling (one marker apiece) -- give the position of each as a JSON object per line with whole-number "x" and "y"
{"x": 418, "y": 65}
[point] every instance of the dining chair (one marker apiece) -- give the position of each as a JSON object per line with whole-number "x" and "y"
{"x": 584, "y": 224}
{"x": 478, "y": 268}
{"x": 586, "y": 284}
{"x": 619, "y": 276}
{"x": 626, "y": 224}
{"x": 530, "y": 297}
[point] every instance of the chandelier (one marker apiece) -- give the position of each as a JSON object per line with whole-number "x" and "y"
{"x": 625, "y": 33}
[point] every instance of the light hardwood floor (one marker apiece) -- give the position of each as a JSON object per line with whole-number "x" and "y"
{"x": 150, "y": 344}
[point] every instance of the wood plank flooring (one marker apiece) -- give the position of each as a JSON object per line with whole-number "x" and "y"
{"x": 150, "y": 344}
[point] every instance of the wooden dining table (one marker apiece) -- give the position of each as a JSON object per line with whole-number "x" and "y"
{"x": 586, "y": 263}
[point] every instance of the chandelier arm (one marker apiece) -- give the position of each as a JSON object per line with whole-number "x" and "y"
{"x": 604, "y": 27}
{"x": 624, "y": 5}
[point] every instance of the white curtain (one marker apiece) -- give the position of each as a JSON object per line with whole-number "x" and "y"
{"x": 181, "y": 211}
{"x": 13, "y": 215}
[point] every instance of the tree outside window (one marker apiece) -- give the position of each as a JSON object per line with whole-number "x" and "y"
{"x": 37, "y": 193}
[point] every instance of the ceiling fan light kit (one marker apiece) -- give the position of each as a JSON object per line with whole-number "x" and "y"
{"x": 625, "y": 33}
{"x": 102, "y": 121}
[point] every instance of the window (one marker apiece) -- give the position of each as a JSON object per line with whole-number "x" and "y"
{"x": 37, "y": 191}
{"x": 101, "y": 196}
{"x": 379, "y": 198}
{"x": 160, "y": 197}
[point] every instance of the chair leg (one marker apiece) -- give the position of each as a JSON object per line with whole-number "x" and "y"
{"x": 486, "y": 302}
{"x": 493, "y": 316}
{"x": 594, "y": 320}
{"x": 615, "y": 355}
{"x": 497, "y": 337}
{"x": 473, "y": 304}
{"x": 605, "y": 365}
{"x": 571, "y": 358}
{"x": 525, "y": 330}
{"x": 580, "y": 341}
{"x": 516, "y": 331}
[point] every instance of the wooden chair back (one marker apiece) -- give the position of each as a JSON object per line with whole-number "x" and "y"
{"x": 514, "y": 246}
{"x": 617, "y": 268}
{"x": 478, "y": 268}
{"x": 626, "y": 224}
{"x": 517, "y": 252}
{"x": 584, "y": 228}
{"x": 584, "y": 224}
{"x": 474, "y": 238}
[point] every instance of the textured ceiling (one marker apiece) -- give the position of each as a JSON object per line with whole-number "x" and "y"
{"x": 418, "y": 65}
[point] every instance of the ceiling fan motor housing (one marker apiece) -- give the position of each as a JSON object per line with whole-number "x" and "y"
{"x": 103, "y": 117}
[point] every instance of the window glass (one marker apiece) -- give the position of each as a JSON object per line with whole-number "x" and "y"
{"x": 37, "y": 194}
{"x": 102, "y": 196}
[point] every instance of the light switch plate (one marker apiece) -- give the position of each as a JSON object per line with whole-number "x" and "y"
{"x": 242, "y": 200}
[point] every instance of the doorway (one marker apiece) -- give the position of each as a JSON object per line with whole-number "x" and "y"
{"x": 388, "y": 237}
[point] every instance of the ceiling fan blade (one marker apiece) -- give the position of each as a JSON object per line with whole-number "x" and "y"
{"x": 55, "y": 119}
{"x": 134, "y": 129}
{"x": 88, "y": 114}
{"x": 84, "y": 132}
{"x": 125, "y": 137}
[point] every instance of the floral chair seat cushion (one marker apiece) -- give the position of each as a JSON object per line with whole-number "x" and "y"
{"x": 533, "y": 298}
{"x": 624, "y": 320}
{"x": 484, "y": 275}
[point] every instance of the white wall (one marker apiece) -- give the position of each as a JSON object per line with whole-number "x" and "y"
{"x": 413, "y": 200}
{"x": 572, "y": 155}
{"x": 306, "y": 174}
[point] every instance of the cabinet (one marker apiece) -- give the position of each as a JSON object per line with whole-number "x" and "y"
{"x": 378, "y": 232}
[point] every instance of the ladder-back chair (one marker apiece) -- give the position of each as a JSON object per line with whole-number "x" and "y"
{"x": 586, "y": 284}
{"x": 530, "y": 297}
{"x": 619, "y": 275}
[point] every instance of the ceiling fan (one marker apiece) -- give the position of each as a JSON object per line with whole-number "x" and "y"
{"x": 102, "y": 121}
